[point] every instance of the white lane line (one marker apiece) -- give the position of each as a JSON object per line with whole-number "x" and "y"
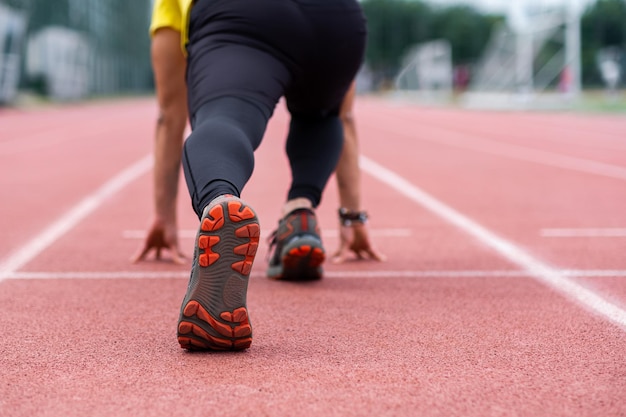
{"x": 259, "y": 274}
{"x": 539, "y": 270}
{"x": 387, "y": 274}
{"x": 330, "y": 233}
{"x": 39, "y": 243}
{"x": 522, "y": 153}
{"x": 46, "y": 139}
{"x": 49, "y": 138}
{"x": 582, "y": 232}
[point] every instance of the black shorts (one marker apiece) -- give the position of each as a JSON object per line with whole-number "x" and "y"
{"x": 306, "y": 50}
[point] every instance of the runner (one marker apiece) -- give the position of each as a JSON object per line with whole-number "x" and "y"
{"x": 241, "y": 59}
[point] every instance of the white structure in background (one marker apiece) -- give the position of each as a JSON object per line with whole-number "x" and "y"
{"x": 609, "y": 63}
{"x": 12, "y": 30}
{"x": 427, "y": 70}
{"x": 516, "y": 67}
{"x": 364, "y": 80}
{"x": 60, "y": 58}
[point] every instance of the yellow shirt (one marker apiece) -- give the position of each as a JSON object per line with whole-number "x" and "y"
{"x": 172, "y": 14}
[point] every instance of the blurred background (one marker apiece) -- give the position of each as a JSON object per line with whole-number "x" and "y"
{"x": 489, "y": 53}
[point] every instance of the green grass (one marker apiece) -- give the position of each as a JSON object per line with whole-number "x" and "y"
{"x": 601, "y": 102}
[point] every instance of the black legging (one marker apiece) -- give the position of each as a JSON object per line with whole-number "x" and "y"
{"x": 243, "y": 56}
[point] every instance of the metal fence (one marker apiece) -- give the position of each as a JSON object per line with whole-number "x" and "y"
{"x": 72, "y": 49}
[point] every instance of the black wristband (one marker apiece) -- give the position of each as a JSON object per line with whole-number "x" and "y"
{"x": 348, "y": 218}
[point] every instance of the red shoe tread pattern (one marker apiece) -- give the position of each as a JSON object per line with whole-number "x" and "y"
{"x": 234, "y": 326}
{"x": 295, "y": 256}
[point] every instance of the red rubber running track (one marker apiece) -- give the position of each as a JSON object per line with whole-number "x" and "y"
{"x": 504, "y": 293}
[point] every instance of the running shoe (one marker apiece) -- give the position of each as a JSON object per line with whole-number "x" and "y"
{"x": 213, "y": 314}
{"x": 297, "y": 248}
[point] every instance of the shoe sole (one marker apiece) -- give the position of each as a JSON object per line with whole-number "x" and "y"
{"x": 214, "y": 315}
{"x": 301, "y": 261}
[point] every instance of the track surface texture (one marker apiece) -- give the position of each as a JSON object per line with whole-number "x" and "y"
{"x": 504, "y": 292}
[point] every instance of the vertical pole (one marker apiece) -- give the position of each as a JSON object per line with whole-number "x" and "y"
{"x": 572, "y": 47}
{"x": 524, "y": 70}
{"x": 524, "y": 49}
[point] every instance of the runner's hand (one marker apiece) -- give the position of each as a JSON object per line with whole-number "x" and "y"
{"x": 160, "y": 236}
{"x": 355, "y": 238}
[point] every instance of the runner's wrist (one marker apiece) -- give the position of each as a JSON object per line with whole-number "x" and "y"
{"x": 351, "y": 217}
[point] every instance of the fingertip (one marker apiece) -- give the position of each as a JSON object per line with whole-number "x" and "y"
{"x": 137, "y": 256}
{"x": 338, "y": 259}
{"x": 178, "y": 260}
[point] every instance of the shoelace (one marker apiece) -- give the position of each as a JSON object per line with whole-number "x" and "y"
{"x": 272, "y": 239}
